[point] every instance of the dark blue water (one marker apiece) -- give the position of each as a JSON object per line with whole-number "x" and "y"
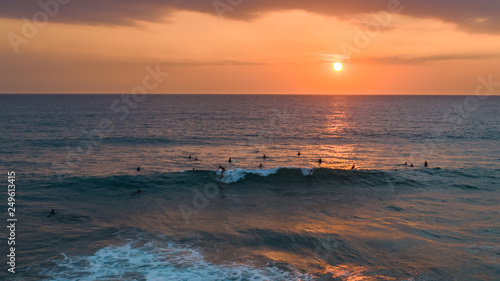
{"x": 292, "y": 219}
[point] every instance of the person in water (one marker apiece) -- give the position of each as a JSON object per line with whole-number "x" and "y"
{"x": 138, "y": 169}
{"x": 264, "y": 156}
{"x": 190, "y": 156}
{"x": 298, "y": 154}
{"x": 230, "y": 160}
{"x": 196, "y": 159}
{"x": 138, "y": 192}
{"x": 320, "y": 161}
{"x": 223, "y": 170}
{"x": 411, "y": 165}
{"x": 426, "y": 164}
{"x": 53, "y": 212}
{"x": 260, "y": 166}
{"x": 353, "y": 167}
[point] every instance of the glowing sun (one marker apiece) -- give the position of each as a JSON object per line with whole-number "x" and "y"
{"x": 338, "y": 66}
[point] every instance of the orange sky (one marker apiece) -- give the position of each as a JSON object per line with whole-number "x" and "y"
{"x": 279, "y": 52}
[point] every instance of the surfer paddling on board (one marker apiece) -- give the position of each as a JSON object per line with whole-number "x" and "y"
{"x": 223, "y": 170}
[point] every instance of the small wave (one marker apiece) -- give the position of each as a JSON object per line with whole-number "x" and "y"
{"x": 307, "y": 171}
{"x": 73, "y": 219}
{"x": 127, "y": 140}
{"x": 293, "y": 174}
{"x": 158, "y": 259}
{"x": 394, "y": 208}
{"x": 465, "y": 186}
{"x": 232, "y": 176}
{"x": 284, "y": 177}
{"x": 486, "y": 252}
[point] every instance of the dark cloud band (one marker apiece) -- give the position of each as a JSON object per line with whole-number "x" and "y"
{"x": 473, "y": 16}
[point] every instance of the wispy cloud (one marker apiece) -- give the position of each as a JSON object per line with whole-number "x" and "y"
{"x": 325, "y": 58}
{"x": 427, "y": 59}
{"x": 211, "y": 63}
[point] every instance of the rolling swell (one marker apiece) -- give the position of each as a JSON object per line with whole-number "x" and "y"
{"x": 276, "y": 176}
{"x": 337, "y": 177}
{"x": 283, "y": 177}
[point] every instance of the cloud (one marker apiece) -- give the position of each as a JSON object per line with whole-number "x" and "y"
{"x": 425, "y": 59}
{"x": 408, "y": 60}
{"x": 481, "y": 16}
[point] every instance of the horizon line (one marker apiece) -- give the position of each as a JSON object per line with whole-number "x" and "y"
{"x": 247, "y": 94}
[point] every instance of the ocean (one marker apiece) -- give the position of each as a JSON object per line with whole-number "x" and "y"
{"x": 293, "y": 218}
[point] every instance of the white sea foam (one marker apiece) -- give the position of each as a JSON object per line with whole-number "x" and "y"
{"x": 232, "y": 176}
{"x": 307, "y": 171}
{"x": 152, "y": 261}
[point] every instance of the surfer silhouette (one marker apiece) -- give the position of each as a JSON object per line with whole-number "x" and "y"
{"x": 190, "y": 156}
{"x": 138, "y": 169}
{"x": 353, "y": 167}
{"x": 53, "y": 212}
{"x": 260, "y": 166}
{"x": 138, "y": 192}
{"x": 230, "y": 160}
{"x": 298, "y": 154}
{"x": 223, "y": 170}
{"x": 320, "y": 161}
{"x": 426, "y": 164}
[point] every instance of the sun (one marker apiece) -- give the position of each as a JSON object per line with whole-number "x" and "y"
{"x": 338, "y": 66}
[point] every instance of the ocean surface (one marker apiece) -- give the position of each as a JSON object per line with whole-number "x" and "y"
{"x": 291, "y": 219}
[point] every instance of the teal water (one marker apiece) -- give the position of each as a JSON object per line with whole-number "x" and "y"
{"x": 292, "y": 219}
